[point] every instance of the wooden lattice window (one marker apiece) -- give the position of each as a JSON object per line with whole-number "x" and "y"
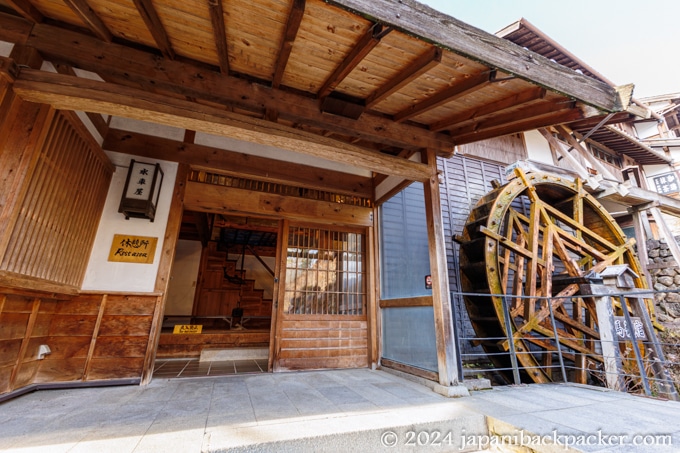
{"x": 325, "y": 272}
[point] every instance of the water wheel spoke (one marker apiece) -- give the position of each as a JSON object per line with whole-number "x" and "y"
{"x": 541, "y": 235}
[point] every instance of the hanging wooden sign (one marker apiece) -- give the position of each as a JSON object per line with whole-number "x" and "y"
{"x": 133, "y": 249}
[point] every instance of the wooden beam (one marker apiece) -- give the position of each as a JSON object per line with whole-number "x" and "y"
{"x": 516, "y": 116}
{"x": 579, "y": 148}
{"x": 73, "y": 93}
{"x": 220, "y": 33}
{"x": 292, "y": 26}
{"x": 441, "y": 302}
{"x": 185, "y": 79}
{"x": 425, "y": 23}
{"x": 532, "y": 123}
{"x": 421, "y": 301}
{"x": 90, "y": 18}
{"x": 228, "y": 200}
{"x": 494, "y": 108}
{"x": 556, "y": 148}
{"x": 421, "y": 65}
{"x": 96, "y": 119}
{"x": 368, "y": 41}
{"x": 237, "y": 164}
{"x": 14, "y": 29}
{"x": 155, "y": 26}
{"x": 26, "y": 9}
{"x": 468, "y": 86}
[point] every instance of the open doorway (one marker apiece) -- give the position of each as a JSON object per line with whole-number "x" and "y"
{"x": 218, "y": 312}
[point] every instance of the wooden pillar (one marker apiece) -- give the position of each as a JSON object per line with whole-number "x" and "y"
{"x": 611, "y": 354}
{"x": 165, "y": 269}
{"x": 642, "y": 236}
{"x": 441, "y": 301}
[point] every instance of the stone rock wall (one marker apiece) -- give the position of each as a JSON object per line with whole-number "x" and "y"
{"x": 665, "y": 274}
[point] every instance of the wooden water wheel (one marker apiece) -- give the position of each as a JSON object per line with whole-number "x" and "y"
{"x": 538, "y": 237}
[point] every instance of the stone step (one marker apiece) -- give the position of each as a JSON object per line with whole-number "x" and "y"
{"x": 414, "y": 428}
{"x": 219, "y": 355}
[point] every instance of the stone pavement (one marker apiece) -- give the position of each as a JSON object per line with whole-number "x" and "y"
{"x": 330, "y": 411}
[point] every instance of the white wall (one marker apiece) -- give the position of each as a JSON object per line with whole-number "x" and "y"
{"x": 646, "y": 129}
{"x": 182, "y": 286}
{"x": 103, "y": 275}
{"x": 653, "y": 170}
{"x": 538, "y": 149}
{"x": 6, "y": 48}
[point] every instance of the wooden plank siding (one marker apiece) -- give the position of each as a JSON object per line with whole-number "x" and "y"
{"x": 57, "y": 201}
{"x": 92, "y": 337}
{"x": 322, "y": 343}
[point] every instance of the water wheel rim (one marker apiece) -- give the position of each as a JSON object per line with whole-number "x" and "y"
{"x": 548, "y": 237}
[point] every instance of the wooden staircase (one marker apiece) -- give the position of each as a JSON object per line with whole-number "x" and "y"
{"x": 224, "y": 287}
{"x": 216, "y": 297}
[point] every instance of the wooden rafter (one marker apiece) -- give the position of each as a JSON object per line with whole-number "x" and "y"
{"x": 480, "y": 113}
{"x": 516, "y": 116}
{"x": 73, "y": 93}
{"x": 457, "y": 91}
{"x": 134, "y": 67}
{"x": 91, "y": 19}
{"x": 26, "y": 9}
{"x": 421, "y": 65}
{"x": 559, "y": 117}
{"x": 368, "y": 41}
{"x": 155, "y": 26}
{"x": 460, "y": 38}
{"x": 292, "y": 26}
{"x": 237, "y": 164}
{"x": 567, "y": 136}
{"x": 220, "y": 33}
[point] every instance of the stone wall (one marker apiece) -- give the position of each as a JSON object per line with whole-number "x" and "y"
{"x": 665, "y": 275}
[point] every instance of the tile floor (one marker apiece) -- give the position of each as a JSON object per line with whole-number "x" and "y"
{"x": 191, "y": 368}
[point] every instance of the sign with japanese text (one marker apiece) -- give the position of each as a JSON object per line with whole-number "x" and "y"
{"x": 666, "y": 183}
{"x": 133, "y": 249}
{"x": 187, "y": 328}
{"x": 624, "y": 332}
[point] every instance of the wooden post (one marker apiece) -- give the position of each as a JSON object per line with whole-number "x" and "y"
{"x": 165, "y": 268}
{"x": 642, "y": 236}
{"x": 611, "y": 355}
{"x": 441, "y": 301}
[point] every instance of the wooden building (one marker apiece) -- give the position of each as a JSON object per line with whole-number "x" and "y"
{"x": 281, "y": 127}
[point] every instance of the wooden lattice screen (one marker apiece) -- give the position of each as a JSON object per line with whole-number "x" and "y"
{"x": 63, "y": 197}
{"x": 325, "y": 272}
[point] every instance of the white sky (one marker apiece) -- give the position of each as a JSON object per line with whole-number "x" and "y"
{"x": 626, "y": 41}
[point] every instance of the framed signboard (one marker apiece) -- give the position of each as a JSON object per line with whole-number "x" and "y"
{"x": 132, "y": 249}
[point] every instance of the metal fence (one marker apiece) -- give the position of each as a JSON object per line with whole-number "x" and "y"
{"x": 605, "y": 339}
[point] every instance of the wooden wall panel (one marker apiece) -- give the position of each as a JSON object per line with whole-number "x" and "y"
{"x": 91, "y": 336}
{"x": 318, "y": 343}
{"x": 108, "y": 368}
{"x": 122, "y": 339}
{"x": 58, "y": 203}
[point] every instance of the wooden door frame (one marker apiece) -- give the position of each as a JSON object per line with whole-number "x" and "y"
{"x": 277, "y": 306}
{"x": 368, "y": 282}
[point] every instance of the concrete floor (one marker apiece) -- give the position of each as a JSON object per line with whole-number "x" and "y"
{"x": 330, "y": 411}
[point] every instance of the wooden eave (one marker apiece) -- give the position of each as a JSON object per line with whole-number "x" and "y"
{"x": 525, "y": 34}
{"x": 368, "y": 78}
{"x": 617, "y": 140}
